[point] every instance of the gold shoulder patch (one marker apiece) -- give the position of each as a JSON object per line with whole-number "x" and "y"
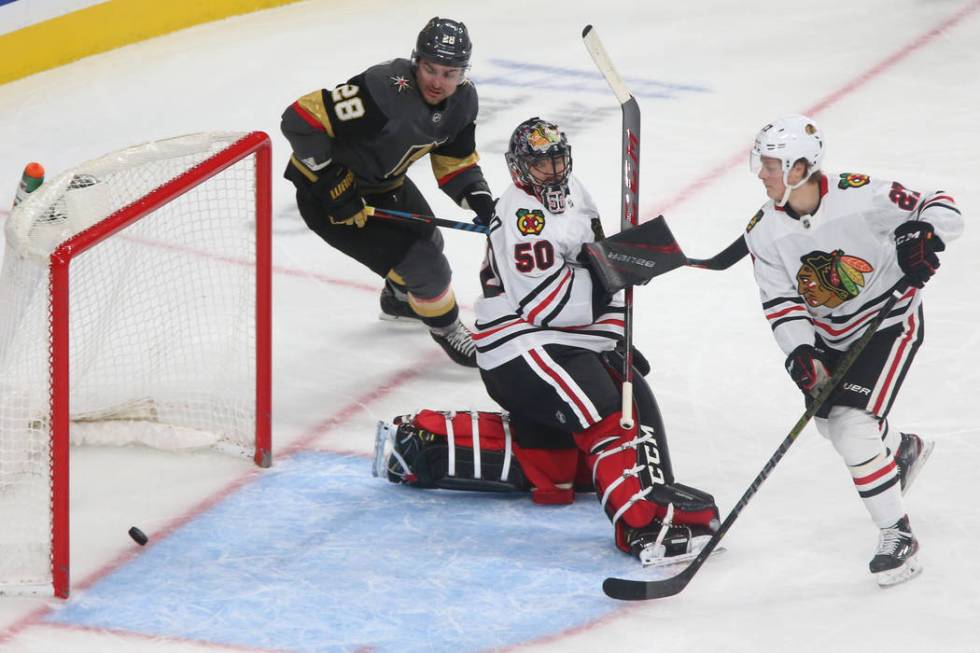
{"x": 754, "y": 221}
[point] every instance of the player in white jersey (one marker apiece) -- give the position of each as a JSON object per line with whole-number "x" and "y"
{"x": 828, "y": 249}
{"x": 546, "y": 335}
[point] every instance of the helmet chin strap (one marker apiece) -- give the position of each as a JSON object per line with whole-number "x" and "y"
{"x": 789, "y": 189}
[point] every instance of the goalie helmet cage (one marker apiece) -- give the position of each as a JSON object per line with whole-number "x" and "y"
{"x": 135, "y": 306}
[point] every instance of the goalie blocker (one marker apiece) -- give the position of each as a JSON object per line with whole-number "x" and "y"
{"x": 634, "y": 256}
{"x": 653, "y": 516}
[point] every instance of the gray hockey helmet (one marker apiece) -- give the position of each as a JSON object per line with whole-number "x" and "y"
{"x": 444, "y": 42}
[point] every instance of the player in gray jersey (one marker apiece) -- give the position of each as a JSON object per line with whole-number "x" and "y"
{"x": 828, "y": 251}
{"x": 352, "y": 146}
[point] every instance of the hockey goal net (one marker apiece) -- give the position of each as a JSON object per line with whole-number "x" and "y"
{"x": 134, "y": 307}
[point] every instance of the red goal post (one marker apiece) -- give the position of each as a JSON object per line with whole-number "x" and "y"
{"x": 158, "y": 311}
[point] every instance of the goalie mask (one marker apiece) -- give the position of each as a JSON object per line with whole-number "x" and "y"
{"x": 788, "y": 140}
{"x": 540, "y": 160}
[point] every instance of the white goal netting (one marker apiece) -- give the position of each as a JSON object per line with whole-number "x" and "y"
{"x": 161, "y": 326}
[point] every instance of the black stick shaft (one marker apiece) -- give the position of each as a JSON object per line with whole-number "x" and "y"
{"x": 404, "y": 216}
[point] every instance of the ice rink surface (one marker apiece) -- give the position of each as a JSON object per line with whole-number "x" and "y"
{"x": 315, "y": 555}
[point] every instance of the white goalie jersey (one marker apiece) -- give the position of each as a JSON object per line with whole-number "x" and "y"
{"x": 535, "y": 292}
{"x": 827, "y": 274}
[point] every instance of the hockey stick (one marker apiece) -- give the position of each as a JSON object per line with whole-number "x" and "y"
{"x": 724, "y": 259}
{"x": 629, "y": 216}
{"x": 404, "y": 216}
{"x": 639, "y": 590}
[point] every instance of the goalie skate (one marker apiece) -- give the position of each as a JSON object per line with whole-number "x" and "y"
{"x": 664, "y": 544}
{"x": 384, "y": 447}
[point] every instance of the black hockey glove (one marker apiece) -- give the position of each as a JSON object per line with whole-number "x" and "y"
{"x": 916, "y": 244}
{"x": 807, "y": 365}
{"x": 337, "y": 189}
{"x": 478, "y": 199}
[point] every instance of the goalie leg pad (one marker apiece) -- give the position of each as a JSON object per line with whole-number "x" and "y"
{"x": 633, "y": 489}
{"x": 472, "y": 451}
{"x": 623, "y": 478}
{"x": 455, "y": 451}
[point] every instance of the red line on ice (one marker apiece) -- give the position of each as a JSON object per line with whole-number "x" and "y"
{"x": 742, "y": 156}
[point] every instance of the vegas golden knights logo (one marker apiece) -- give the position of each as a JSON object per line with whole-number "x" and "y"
{"x": 830, "y": 279}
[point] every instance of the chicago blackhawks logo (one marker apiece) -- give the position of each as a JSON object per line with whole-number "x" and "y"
{"x": 852, "y": 180}
{"x": 530, "y": 223}
{"x": 830, "y": 279}
{"x": 754, "y": 221}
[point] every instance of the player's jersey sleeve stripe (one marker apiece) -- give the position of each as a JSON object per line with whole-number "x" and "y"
{"x": 446, "y": 168}
{"x": 296, "y": 163}
{"x": 781, "y": 300}
{"x": 561, "y": 303}
{"x": 563, "y": 288}
{"x": 778, "y": 314}
{"x": 944, "y": 201}
{"x": 778, "y": 323}
{"x": 313, "y": 111}
{"x": 538, "y": 289}
{"x": 862, "y": 316}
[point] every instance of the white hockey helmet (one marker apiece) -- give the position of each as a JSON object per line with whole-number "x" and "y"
{"x": 789, "y": 139}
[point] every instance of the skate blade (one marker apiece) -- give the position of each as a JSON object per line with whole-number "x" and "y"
{"x": 673, "y": 561}
{"x": 404, "y": 319}
{"x": 919, "y": 464}
{"x": 384, "y": 434}
{"x": 899, "y": 575}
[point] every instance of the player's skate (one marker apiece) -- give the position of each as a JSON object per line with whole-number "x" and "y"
{"x": 664, "y": 543}
{"x": 911, "y": 456}
{"x": 457, "y": 341}
{"x": 895, "y": 560}
{"x": 394, "y": 305}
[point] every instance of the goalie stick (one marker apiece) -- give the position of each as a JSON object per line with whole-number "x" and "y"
{"x": 629, "y": 216}
{"x": 639, "y": 590}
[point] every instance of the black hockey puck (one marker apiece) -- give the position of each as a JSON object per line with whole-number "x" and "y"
{"x": 138, "y": 536}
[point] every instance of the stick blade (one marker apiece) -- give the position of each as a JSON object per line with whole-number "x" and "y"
{"x": 624, "y": 589}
